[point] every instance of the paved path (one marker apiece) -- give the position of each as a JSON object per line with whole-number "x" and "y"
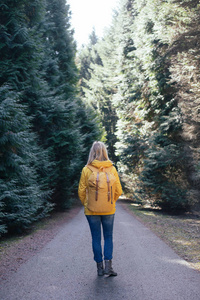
{"x": 64, "y": 270}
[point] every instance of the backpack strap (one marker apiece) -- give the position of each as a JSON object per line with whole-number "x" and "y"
{"x": 97, "y": 186}
{"x": 108, "y": 183}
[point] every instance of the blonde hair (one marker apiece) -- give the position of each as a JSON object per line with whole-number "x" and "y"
{"x": 98, "y": 151}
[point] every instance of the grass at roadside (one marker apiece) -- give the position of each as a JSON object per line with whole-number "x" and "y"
{"x": 181, "y": 232}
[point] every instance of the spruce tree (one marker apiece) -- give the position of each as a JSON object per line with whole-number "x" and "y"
{"x": 62, "y": 132}
{"x": 88, "y": 56}
{"x": 42, "y": 136}
{"x": 24, "y": 198}
{"x": 24, "y": 165}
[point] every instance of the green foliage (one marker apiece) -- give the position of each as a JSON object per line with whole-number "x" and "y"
{"x": 24, "y": 164}
{"x": 24, "y": 198}
{"x": 87, "y": 57}
{"x": 62, "y": 112}
{"x": 139, "y": 90}
{"x": 144, "y": 77}
{"x": 97, "y": 85}
{"x": 43, "y": 131}
{"x": 90, "y": 127}
{"x": 162, "y": 175}
{"x": 152, "y": 106}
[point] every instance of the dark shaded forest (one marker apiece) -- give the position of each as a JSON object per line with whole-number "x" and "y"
{"x": 137, "y": 89}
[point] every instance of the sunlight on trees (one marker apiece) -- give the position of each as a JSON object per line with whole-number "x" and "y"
{"x": 150, "y": 76}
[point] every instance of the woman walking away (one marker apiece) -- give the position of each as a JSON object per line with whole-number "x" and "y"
{"x": 99, "y": 189}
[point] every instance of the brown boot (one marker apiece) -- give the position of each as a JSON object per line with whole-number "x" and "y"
{"x": 108, "y": 268}
{"x": 100, "y": 269}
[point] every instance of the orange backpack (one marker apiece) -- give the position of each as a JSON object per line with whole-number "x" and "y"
{"x": 101, "y": 190}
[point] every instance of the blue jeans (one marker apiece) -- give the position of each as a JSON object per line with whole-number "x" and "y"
{"x": 95, "y": 223}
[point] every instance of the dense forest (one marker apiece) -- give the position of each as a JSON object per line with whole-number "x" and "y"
{"x": 45, "y": 128}
{"x": 137, "y": 89}
{"x": 143, "y": 79}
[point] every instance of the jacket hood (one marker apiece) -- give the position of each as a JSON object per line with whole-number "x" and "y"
{"x": 98, "y": 164}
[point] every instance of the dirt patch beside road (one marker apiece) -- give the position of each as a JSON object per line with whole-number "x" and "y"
{"x": 182, "y": 232}
{"x": 16, "y": 250}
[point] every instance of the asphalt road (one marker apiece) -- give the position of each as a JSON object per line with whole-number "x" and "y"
{"x": 64, "y": 270}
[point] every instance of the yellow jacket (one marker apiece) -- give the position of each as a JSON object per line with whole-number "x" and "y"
{"x": 83, "y": 185}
